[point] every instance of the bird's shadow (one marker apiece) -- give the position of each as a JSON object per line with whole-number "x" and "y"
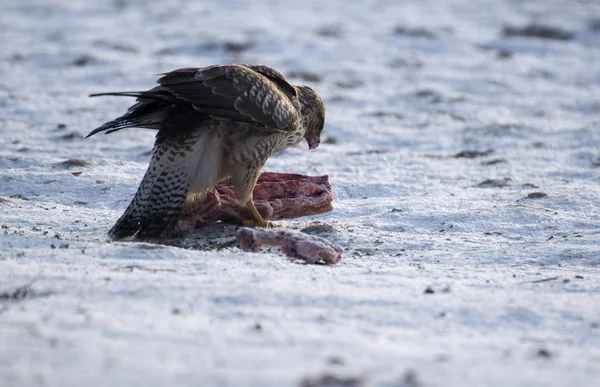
{"x": 221, "y": 236}
{"x": 210, "y": 237}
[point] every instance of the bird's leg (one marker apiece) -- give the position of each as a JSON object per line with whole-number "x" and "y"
{"x": 258, "y": 220}
{"x": 244, "y": 182}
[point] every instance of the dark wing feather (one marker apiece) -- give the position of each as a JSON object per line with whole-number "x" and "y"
{"x": 256, "y": 94}
{"x": 155, "y": 109}
{"x": 276, "y": 77}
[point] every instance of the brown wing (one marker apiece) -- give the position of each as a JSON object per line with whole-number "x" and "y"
{"x": 250, "y": 93}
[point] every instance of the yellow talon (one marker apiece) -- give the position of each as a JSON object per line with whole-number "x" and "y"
{"x": 258, "y": 220}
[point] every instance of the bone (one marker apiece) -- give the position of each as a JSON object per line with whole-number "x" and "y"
{"x": 294, "y": 244}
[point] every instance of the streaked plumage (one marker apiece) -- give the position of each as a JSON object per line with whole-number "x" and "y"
{"x": 213, "y": 123}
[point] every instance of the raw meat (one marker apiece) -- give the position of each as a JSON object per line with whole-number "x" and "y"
{"x": 276, "y": 196}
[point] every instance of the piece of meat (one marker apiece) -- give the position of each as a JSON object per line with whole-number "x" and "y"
{"x": 276, "y": 196}
{"x": 294, "y": 244}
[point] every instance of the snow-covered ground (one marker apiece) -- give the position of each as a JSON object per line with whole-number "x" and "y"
{"x": 465, "y": 159}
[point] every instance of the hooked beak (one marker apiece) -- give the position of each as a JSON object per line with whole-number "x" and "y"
{"x": 314, "y": 142}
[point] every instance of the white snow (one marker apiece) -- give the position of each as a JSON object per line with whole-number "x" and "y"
{"x": 409, "y": 215}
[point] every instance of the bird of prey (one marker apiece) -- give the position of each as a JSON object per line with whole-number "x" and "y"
{"x": 214, "y": 123}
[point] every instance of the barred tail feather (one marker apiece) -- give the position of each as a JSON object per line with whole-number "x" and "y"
{"x": 172, "y": 174}
{"x": 155, "y": 208}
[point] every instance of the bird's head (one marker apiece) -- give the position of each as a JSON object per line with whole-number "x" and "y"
{"x": 313, "y": 113}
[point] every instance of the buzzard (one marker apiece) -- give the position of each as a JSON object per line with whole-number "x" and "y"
{"x": 214, "y": 123}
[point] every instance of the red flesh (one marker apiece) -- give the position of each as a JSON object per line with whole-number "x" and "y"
{"x": 276, "y": 196}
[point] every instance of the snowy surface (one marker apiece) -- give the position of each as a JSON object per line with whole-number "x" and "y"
{"x": 514, "y": 283}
